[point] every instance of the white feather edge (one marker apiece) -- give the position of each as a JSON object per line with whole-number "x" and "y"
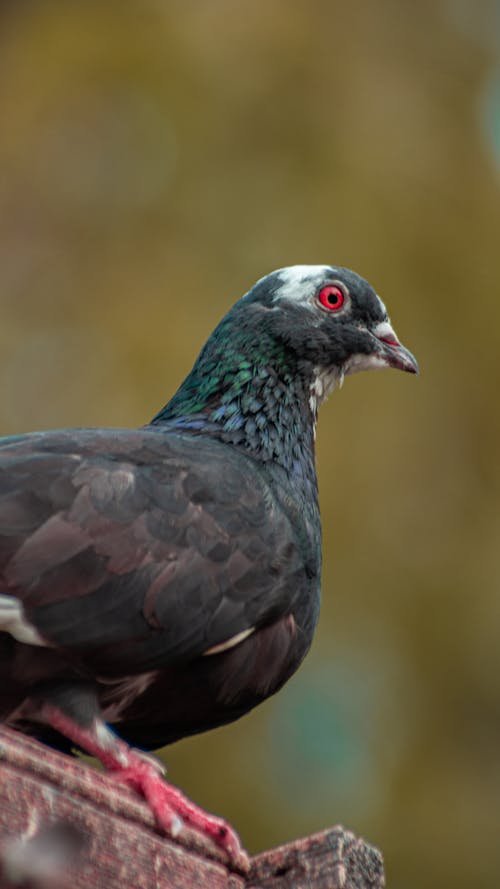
{"x": 13, "y": 621}
{"x": 230, "y": 643}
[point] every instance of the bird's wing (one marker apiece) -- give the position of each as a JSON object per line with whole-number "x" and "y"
{"x": 131, "y": 549}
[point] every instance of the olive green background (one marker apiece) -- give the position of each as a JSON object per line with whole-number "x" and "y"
{"x": 156, "y": 158}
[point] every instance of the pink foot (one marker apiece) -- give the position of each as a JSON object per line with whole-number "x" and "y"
{"x": 144, "y": 774}
{"x": 172, "y": 809}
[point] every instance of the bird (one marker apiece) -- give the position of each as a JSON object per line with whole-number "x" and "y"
{"x": 161, "y": 581}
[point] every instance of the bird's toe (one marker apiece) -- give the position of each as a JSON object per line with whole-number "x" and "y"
{"x": 173, "y": 810}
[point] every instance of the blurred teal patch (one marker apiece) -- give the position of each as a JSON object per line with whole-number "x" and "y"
{"x": 323, "y": 742}
{"x": 491, "y": 114}
{"x": 322, "y": 733}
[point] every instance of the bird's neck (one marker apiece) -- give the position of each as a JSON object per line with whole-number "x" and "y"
{"x": 252, "y": 398}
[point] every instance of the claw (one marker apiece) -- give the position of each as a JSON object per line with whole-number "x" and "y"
{"x": 176, "y": 826}
{"x": 142, "y": 772}
{"x": 173, "y": 810}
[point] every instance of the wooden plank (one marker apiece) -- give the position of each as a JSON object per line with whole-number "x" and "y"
{"x": 333, "y": 859}
{"x": 65, "y": 825}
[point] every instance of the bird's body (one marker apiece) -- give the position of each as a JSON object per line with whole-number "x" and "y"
{"x": 117, "y": 518}
{"x": 166, "y": 580}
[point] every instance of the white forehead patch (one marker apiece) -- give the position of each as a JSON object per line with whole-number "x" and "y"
{"x": 297, "y": 281}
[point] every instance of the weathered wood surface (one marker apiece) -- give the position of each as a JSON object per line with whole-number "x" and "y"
{"x": 65, "y": 825}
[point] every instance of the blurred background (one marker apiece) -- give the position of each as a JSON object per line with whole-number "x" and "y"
{"x": 156, "y": 158}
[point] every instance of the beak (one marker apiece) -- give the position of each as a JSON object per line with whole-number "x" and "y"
{"x": 392, "y": 351}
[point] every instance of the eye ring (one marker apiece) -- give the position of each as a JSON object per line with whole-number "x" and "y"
{"x": 332, "y": 297}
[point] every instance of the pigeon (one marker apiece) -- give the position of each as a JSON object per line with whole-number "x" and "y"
{"x": 162, "y": 581}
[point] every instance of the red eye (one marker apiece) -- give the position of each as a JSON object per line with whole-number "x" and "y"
{"x": 331, "y": 297}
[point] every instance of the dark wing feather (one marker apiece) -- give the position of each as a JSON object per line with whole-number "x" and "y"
{"x": 133, "y": 549}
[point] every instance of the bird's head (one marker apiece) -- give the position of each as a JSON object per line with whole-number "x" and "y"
{"x": 331, "y": 319}
{"x": 293, "y": 336}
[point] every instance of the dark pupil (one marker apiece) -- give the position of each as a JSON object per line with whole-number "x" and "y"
{"x": 333, "y": 297}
